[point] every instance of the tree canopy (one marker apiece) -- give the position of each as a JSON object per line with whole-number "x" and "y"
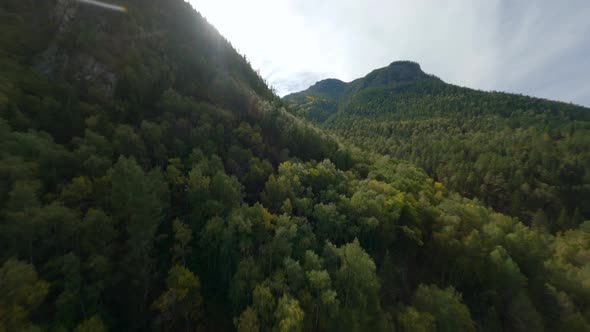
{"x": 157, "y": 183}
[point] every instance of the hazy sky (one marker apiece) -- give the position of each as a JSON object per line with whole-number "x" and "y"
{"x": 534, "y": 47}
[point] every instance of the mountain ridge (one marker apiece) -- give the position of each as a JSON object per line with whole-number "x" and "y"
{"x": 366, "y": 111}
{"x": 361, "y": 82}
{"x": 401, "y": 71}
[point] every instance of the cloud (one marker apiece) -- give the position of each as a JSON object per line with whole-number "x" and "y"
{"x": 539, "y": 48}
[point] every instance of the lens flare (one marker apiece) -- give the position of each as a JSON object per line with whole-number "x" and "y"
{"x": 104, "y": 5}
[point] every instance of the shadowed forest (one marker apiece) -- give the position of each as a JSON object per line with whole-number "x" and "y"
{"x": 151, "y": 180}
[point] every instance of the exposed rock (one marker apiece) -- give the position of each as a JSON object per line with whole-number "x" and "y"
{"x": 64, "y": 12}
{"x": 58, "y": 64}
{"x": 73, "y": 65}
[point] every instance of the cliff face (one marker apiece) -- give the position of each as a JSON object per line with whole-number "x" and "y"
{"x": 64, "y": 12}
{"x": 61, "y": 61}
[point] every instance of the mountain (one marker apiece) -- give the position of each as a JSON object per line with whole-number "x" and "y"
{"x": 523, "y": 156}
{"x": 321, "y": 99}
{"x": 396, "y": 72}
{"x": 150, "y": 180}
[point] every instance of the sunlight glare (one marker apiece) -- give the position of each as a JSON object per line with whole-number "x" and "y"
{"x": 269, "y": 32}
{"x": 104, "y": 5}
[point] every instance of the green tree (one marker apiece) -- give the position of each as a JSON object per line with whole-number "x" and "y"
{"x": 281, "y": 244}
{"x": 22, "y": 293}
{"x": 445, "y": 306}
{"x": 128, "y": 143}
{"x": 22, "y": 208}
{"x": 70, "y": 304}
{"x": 563, "y": 221}
{"x": 97, "y": 233}
{"x": 412, "y": 320}
{"x": 326, "y": 302}
{"x": 505, "y": 276}
{"x": 180, "y": 304}
{"x": 182, "y": 238}
{"x": 198, "y": 193}
{"x": 247, "y": 276}
{"x": 138, "y": 200}
{"x": 288, "y": 315}
{"x": 358, "y": 287}
{"x": 78, "y": 194}
{"x": 248, "y": 321}
{"x": 226, "y": 189}
{"x": 522, "y": 315}
{"x": 540, "y": 221}
{"x": 264, "y": 303}
{"x": 92, "y": 324}
{"x": 60, "y": 226}
{"x": 276, "y": 191}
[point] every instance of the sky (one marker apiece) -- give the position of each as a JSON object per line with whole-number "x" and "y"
{"x": 533, "y": 47}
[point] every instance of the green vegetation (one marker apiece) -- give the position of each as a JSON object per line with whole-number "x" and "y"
{"x": 157, "y": 183}
{"x": 522, "y": 156}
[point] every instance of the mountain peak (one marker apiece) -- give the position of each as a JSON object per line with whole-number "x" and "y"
{"x": 408, "y": 69}
{"x": 406, "y": 64}
{"x": 396, "y": 72}
{"x": 330, "y": 86}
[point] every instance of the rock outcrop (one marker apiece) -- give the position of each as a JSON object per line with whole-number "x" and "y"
{"x": 60, "y": 63}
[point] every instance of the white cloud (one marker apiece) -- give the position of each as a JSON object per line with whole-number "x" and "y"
{"x": 534, "y": 47}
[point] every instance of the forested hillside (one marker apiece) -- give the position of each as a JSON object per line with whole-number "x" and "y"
{"x": 150, "y": 180}
{"x": 523, "y": 156}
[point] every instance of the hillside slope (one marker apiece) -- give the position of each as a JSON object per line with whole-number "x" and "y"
{"x": 524, "y": 156}
{"x": 150, "y": 180}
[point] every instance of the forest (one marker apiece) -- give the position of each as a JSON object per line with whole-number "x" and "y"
{"x": 523, "y": 156}
{"x": 151, "y": 180}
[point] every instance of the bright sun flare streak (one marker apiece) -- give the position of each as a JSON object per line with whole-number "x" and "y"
{"x": 104, "y": 5}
